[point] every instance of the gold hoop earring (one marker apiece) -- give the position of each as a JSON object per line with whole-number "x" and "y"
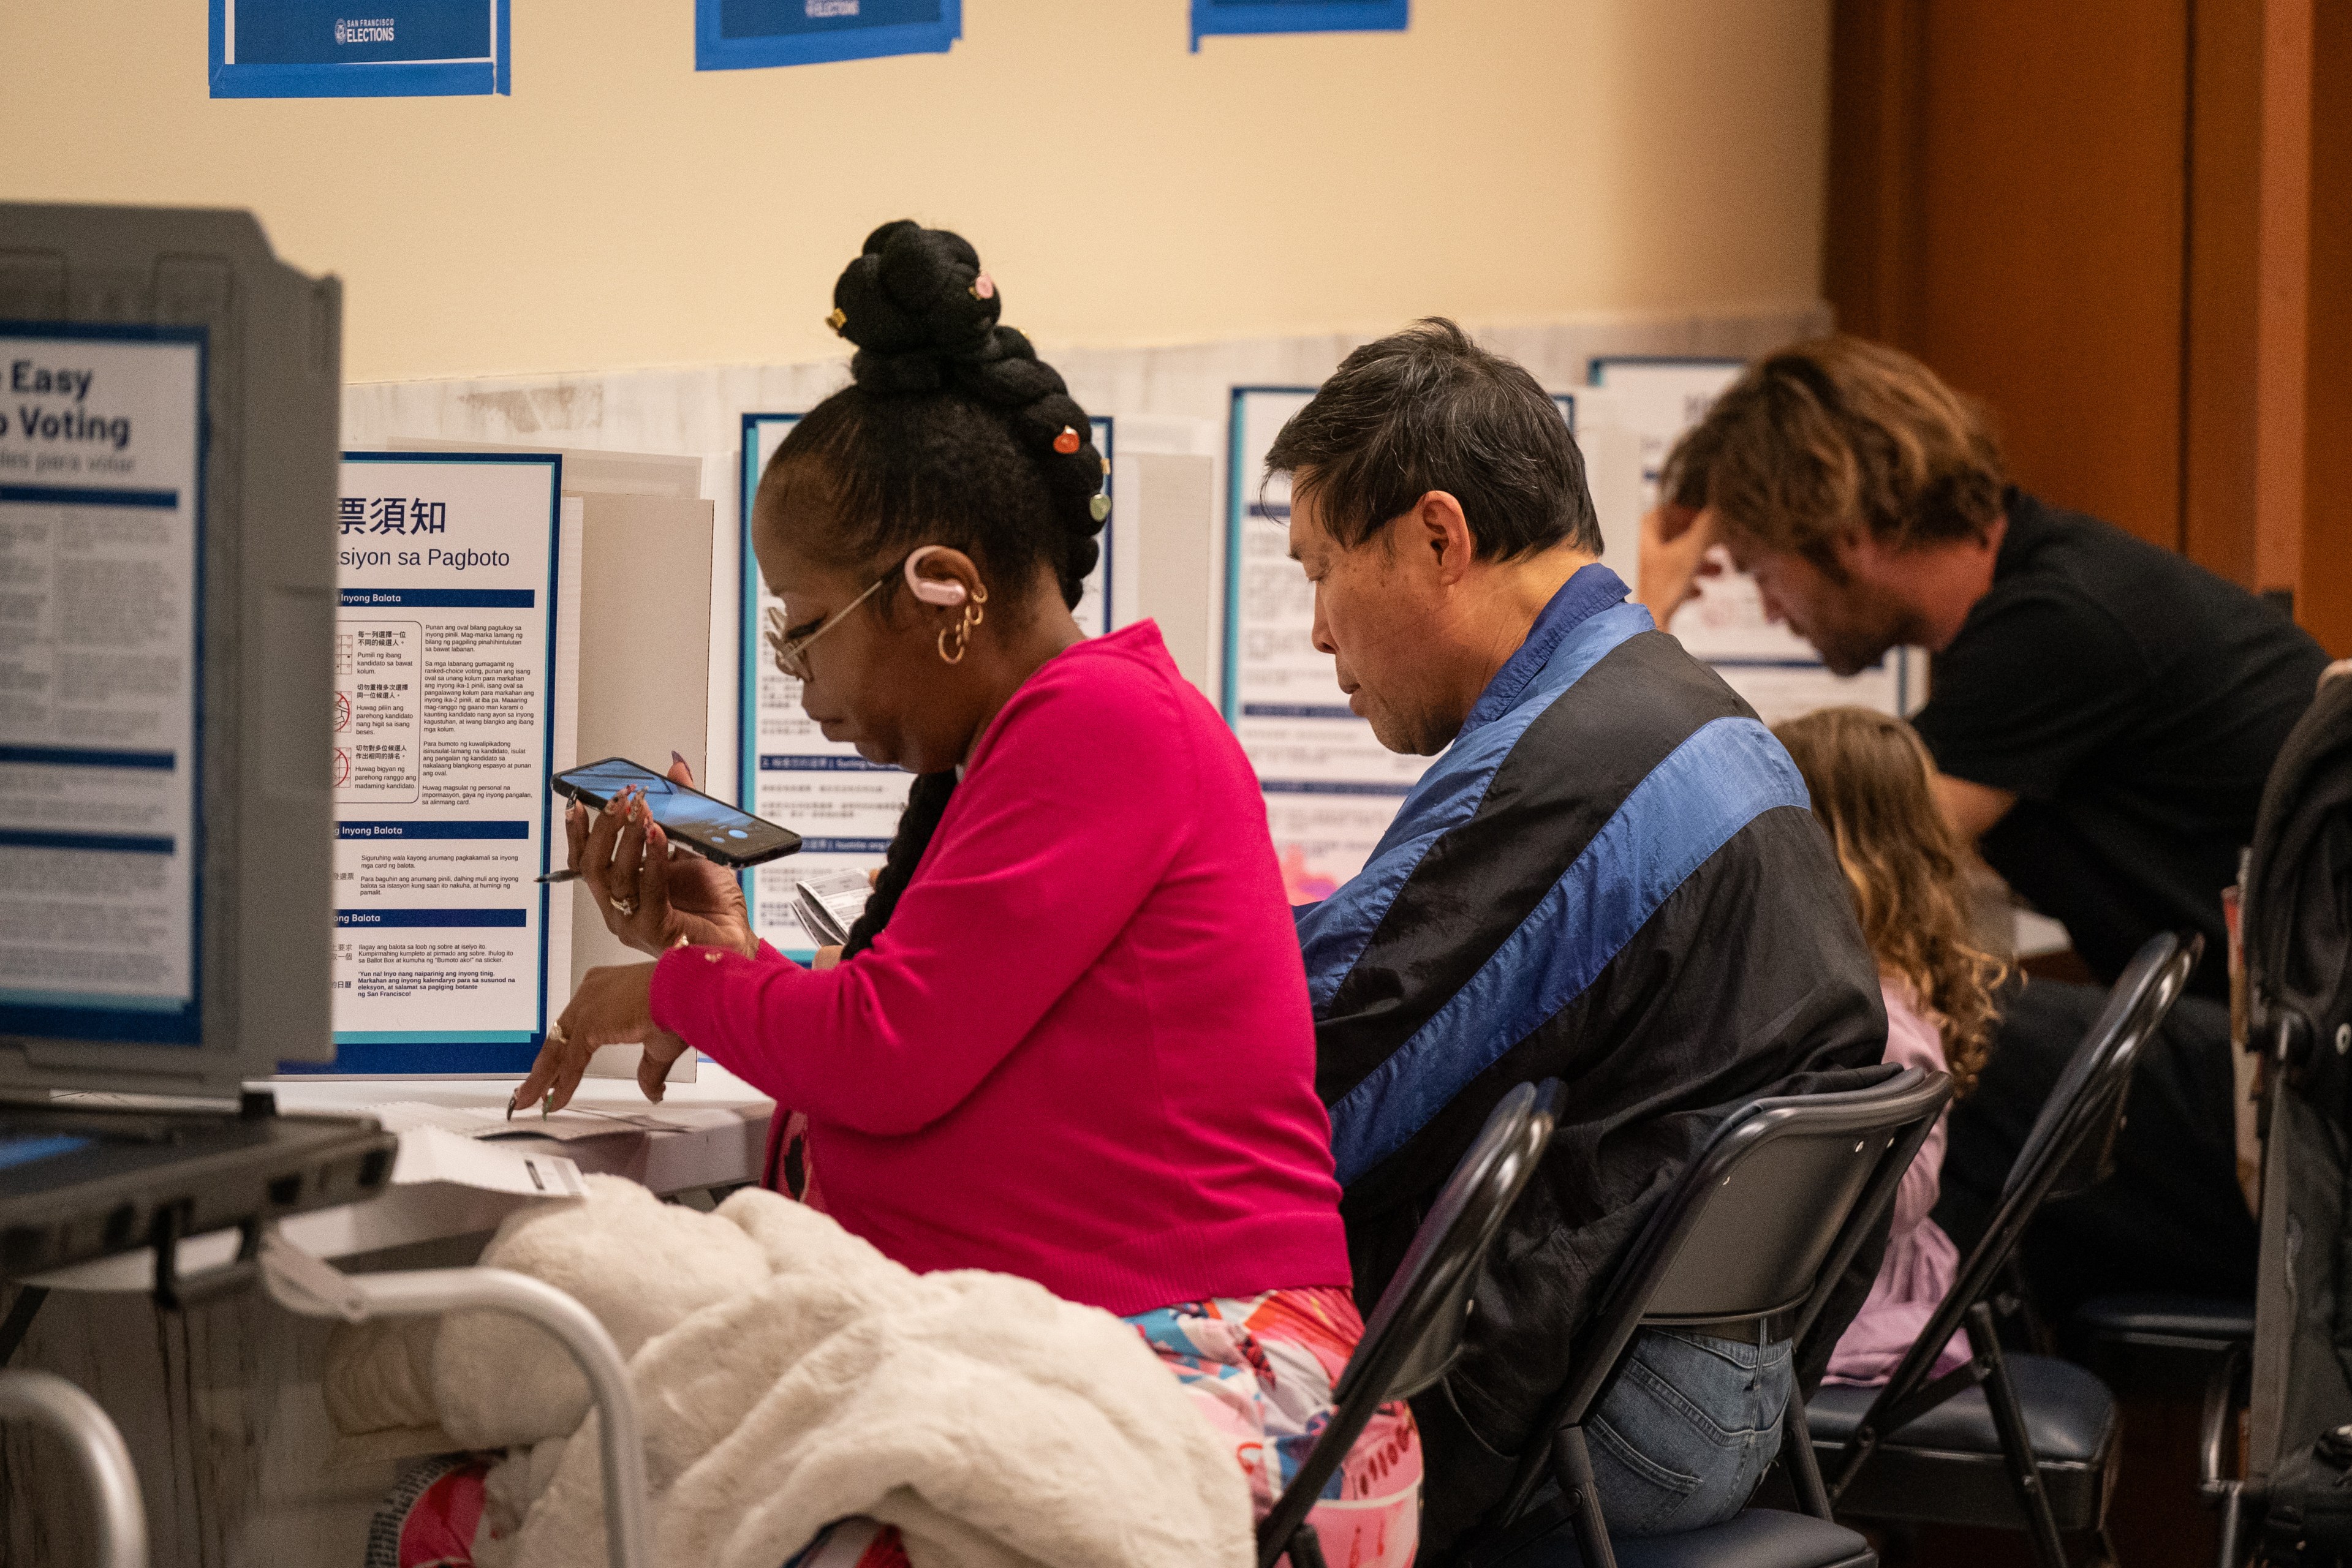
{"x": 974, "y": 614}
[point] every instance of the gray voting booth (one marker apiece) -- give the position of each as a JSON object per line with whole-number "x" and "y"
{"x": 167, "y": 457}
{"x": 168, "y": 421}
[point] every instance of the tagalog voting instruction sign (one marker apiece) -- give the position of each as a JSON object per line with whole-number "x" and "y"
{"x": 359, "y": 49}
{"x": 443, "y": 743}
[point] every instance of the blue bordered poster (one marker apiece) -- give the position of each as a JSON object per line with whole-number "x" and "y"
{"x": 1331, "y": 787}
{"x": 443, "y": 743}
{"x": 1775, "y": 671}
{"x": 845, "y": 808}
{"x": 359, "y": 49}
{"x": 745, "y": 35}
{"x": 1298, "y": 17}
{"x": 101, "y": 682}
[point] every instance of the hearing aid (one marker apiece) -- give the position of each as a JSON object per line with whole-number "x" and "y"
{"x": 931, "y": 590}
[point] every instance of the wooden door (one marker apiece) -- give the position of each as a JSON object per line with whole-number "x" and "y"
{"x": 2110, "y": 220}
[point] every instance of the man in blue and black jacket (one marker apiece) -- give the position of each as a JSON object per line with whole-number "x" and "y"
{"x": 1611, "y": 875}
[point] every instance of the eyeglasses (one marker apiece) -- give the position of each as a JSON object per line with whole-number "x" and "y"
{"x": 792, "y": 652}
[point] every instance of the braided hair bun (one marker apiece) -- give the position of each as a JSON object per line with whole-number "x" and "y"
{"x": 924, "y": 317}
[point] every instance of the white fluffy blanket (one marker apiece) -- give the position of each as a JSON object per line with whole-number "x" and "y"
{"x": 787, "y": 1375}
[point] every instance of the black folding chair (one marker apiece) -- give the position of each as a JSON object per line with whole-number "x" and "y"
{"x": 1753, "y": 1239}
{"x": 1416, "y": 1329}
{"x": 2007, "y": 1441}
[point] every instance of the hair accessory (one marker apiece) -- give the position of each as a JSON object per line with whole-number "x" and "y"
{"x": 984, "y": 288}
{"x": 1067, "y": 441}
{"x": 1099, "y": 505}
{"x": 837, "y": 320}
{"x": 931, "y": 590}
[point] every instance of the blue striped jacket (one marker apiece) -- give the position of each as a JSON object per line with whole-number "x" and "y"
{"x": 1612, "y": 877}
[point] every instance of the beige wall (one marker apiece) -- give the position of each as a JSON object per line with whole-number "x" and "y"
{"x": 1506, "y": 160}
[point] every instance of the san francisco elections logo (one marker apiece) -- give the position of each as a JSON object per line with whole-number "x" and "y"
{"x": 363, "y": 29}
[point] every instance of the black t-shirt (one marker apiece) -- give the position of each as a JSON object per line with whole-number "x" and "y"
{"x": 2135, "y": 703}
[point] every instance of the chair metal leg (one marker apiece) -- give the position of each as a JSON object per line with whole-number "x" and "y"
{"x": 2009, "y": 1422}
{"x": 2216, "y": 1432}
{"x": 20, "y": 1320}
{"x": 2231, "y": 1554}
{"x": 1582, "y": 1494}
{"x": 1797, "y": 1457}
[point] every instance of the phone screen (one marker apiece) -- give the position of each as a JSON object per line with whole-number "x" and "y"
{"x": 719, "y": 829}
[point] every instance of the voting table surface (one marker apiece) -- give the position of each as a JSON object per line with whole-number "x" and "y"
{"x": 220, "y": 1403}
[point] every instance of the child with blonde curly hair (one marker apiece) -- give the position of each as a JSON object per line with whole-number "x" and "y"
{"x": 1869, "y": 776}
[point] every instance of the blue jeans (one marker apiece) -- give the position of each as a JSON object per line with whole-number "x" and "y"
{"x": 1682, "y": 1439}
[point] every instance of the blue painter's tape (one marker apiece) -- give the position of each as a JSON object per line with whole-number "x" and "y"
{"x": 750, "y": 35}
{"x": 359, "y": 49}
{"x": 1298, "y": 17}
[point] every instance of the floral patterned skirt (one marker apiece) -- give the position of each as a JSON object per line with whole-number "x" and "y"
{"x": 1260, "y": 1368}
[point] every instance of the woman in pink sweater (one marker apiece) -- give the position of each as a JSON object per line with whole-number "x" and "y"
{"x": 1070, "y": 1039}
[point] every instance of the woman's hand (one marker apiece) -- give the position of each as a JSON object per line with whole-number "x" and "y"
{"x": 613, "y": 1006}
{"x": 654, "y": 897}
{"x": 1677, "y": 545}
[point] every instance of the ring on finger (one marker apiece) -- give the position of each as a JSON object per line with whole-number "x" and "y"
{"x": 624, "y": 907}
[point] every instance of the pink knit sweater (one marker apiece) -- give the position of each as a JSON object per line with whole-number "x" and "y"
{"x": 1081, "y": 1051}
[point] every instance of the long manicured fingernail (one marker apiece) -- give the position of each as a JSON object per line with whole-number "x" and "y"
{"x": 680, "y": 761}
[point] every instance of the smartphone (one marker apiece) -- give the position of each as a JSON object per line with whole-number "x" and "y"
{"x": 710, "y": 828}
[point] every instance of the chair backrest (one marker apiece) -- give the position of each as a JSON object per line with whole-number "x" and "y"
{"x": 1763, "y": 1221}
{"x": 2085, "y": 1106}
{"x": 1761, "y": 1225}
{"x": 2066, "y": 1150}
{"x": 1416, "y": 1329}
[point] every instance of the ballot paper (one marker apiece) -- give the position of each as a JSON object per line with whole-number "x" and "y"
{"x": 829, "y": 904}
{"x": 845, "y": 808}
{"x": 445, "y": 685}
{"x": 431, "y": 1154}
{"x": 102, "y": 540}
{"x": 572, "y": 1122}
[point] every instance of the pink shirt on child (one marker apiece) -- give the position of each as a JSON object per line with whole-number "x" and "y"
{"x": 1081, "y": 1051}
{"x": 1921, "y": 1261}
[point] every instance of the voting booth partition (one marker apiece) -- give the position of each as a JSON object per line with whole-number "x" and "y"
{"x": 173, "y": 681}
